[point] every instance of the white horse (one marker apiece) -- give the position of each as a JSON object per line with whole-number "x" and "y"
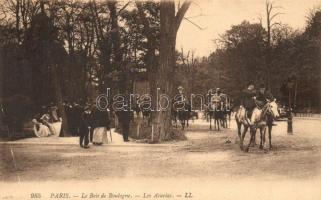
{"x": 260, "y": 119}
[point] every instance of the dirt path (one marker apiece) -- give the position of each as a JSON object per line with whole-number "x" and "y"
{"x": 206, "y": 156}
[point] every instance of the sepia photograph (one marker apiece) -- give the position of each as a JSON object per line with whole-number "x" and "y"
{"x": 160, "y": 99}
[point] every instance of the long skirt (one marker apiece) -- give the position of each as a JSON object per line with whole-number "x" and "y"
{"x": 100, "y": 136}
{"x": 53, "y": 129}
{"x": 42, "y": 131}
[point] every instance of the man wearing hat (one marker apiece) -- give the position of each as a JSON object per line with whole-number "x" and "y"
{"x": 180, "y": 97}
{"x": 247, "y": 100}
{"x": 85, "y": 127}
{"x": 209, "y": 96}
{"x": 124, "y": 117}
{"x": 181, "y": 93}
{"x": 263, "y": 96}
{"x": 216, "y": 99}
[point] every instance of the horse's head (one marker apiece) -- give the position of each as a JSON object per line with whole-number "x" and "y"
{"x": 272, "y": 109}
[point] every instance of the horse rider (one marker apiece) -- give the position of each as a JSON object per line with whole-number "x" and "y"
{"x": 247, "y": 100}
{"x": 263, "y": 96}
{"x": 180, "y": 100}
{"x": 209, "y": 95}
{"x": 217, "y": 99}
{"x": 180, "y": 96}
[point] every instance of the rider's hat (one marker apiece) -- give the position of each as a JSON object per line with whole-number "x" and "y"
{"x": 180, "y": 88}
{"x": 262, "y": 85}
{"x": 218, "y": 89}
{"x": 250, "y": 83}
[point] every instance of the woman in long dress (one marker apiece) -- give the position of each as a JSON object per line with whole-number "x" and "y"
{"x": 41, "y": 125}
{"x": 101, "y": 127}
{"x": 44, "y": 126}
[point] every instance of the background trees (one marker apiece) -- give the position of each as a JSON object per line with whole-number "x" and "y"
{"x": 71, "y": 50}
{"x": 293, "y": 64}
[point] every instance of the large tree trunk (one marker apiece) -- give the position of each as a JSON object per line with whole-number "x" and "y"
{"x": 116, "y": 48}
{"x": 59, "y": 100}
{"x": 169, "y": 24}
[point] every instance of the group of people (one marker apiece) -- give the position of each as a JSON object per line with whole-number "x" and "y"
{"x": 251, "y": 98}
{"x": 47, "y": 121}
{"x": 86, "y": 121}
{"x": 89, "y": 122}
{"x": 94, "y": 126}
{"x": 218, "y": 100}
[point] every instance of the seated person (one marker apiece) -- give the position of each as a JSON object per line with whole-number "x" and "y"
{"x": 247, "y": 100}
{"x": 216, "y": 100}
{"x": 263, "y": 96}
{"x": 42, "y": 126}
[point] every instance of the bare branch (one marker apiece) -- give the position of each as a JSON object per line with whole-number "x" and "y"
{"x": 276, "y": 23}
{"x": 275, "y": 15}
{"x": 194, "y": 16}
{"x": 195, "y": 24}
{"x": 124, "y": 7}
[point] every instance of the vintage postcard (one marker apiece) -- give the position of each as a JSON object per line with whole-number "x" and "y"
{"x": 160, "y": 100}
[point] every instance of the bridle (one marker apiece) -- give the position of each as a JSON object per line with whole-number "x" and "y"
{"x": 267, "y": 111}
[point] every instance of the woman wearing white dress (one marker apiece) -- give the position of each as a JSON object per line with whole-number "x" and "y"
{"x": 101, "y": 125}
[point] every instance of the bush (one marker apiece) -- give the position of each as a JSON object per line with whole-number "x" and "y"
{"x": 18, "y": 110}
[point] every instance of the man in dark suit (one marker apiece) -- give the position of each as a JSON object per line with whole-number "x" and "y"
{"x": 85, "y": 127}
{"x": 124, "y": 118}
{"x": 263, "y": 96}
{"x": 247, "y": 100}
{"x": 76, "y": 118}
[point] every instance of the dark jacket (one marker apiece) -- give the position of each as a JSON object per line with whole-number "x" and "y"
{"x": 262, "y": 98}
{"x": 101, "y": 119}
{"x": 247, "y": 98}
{"x": 86, "y": 121}
{"x": 124, "y": 117}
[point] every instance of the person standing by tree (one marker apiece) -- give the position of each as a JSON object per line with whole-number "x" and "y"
{"x": 86, "y": 125}
{"x": 124, "y": 117}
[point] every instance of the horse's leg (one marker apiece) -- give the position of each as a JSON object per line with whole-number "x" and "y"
{"x": 270, "y": 135}
{"x": 264, "y": 130}
{"x": 218, "y": 125}
{"x": 210, "y": 122}
{"x": 183, "y": 124}
{"x": 214, "y": 123}
{"x": 225, "y": 121}
{"x": 243, "y": 136}
{"x": 262, "y": 139}
{"x": 254, "y": 139}
{"x": 239, "y": 129}
{"x": 175, "y": 120}
{"x": 252, "y": 133}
